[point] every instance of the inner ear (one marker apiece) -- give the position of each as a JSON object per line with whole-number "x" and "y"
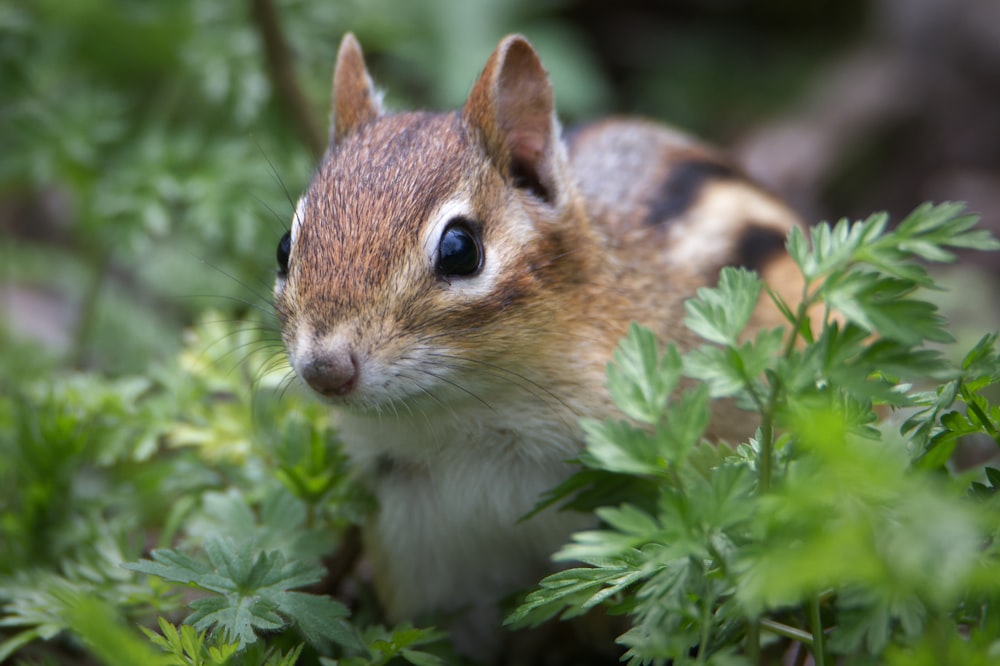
{"x": 524, "y": 169}
{"x": 524, "y": 110}
{"x": 512, "y": 103}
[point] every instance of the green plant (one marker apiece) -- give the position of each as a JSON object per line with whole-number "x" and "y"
{"x": 243, "y": 489}
{"x": 151, "y": 146}
{"x": 849, "y": 535}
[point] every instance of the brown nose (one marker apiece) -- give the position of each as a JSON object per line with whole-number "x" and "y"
{"x": 331, "y": 373}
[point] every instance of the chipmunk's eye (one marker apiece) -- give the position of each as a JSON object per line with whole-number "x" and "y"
{"x": 460, "y": 252}
{"x": 284, "y": 251}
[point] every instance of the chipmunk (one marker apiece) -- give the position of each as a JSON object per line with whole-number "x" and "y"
{"x": 454, "y": 284}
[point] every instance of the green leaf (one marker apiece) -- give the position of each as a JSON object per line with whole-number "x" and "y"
{"x": 732, "y": 370}
{"x": 383, "y": 645}
{"x": 320, "y": 619}
{"x": 574, "y": 591}
{"x": 640, "y": 379}
{"x": 630, "y": 521}
{"x": 721, "y": 313}
{"x": 16, "y": 642}
{"x": 833, "y": 248}
{"x": 253, "y": 593}
{"x": 798, "y": 249}
{"x": 418, "y": 658}
{"x": 239, "y": 618}
{"x": 590, "y": 488}
{"x": 618, "y": 446}
{"x": 881, "y": 305}
{"x": 719, "y": 368}
{"x": 684, "y": 426}
{"x": 178, "y": 567}
{"x": 107, "y": 636}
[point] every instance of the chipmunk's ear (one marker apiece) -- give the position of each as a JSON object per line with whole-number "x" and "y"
{"x": 512, "y": 104}
{"x": 355, "y": 100}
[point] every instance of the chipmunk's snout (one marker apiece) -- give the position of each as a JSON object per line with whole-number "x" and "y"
{"x": 331, "y": 372}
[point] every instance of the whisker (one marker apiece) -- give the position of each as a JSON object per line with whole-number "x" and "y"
{"x": 431, "y": 425}
{"x": 456, "y": 385}
{"x": 441, "y": 403}
{"x": 286, "y": 383}
{"x": 268, "y": 310}
{"x": 570, "y": 334}
{"x": 263, "y": 297}
{"x": 255, "y": 331}
{"x": 279, "y": 218}
{"x": 277, "y": 176}
{"x": 544, "y": 395}
{"x": 506, "y": 371}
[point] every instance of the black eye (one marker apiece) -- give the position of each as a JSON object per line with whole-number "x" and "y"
{"x": 460, "y": 252}
{"x": 284, "y": 250}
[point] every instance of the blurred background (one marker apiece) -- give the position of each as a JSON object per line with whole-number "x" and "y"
{"x": 151, "y": 152}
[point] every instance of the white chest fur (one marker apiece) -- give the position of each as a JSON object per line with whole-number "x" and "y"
{"x": 452, "y": 492}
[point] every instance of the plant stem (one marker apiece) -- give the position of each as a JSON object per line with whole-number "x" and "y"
{"x": 88, "y": 309}
{"x": 816, "y": 625}
{"x": 753, "y": 641}
{"x": 975, "y": 409}
{"x": 782, "y": 629}
{"x": 767, "y": 409}
{"x": 766, "y": 448}
{"x": 706, "y": 624}
{"x": 281, "y": 70}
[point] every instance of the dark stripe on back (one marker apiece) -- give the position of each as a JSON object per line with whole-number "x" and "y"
{"x": 683, "y": 186}
{"x": 757, "y": 245}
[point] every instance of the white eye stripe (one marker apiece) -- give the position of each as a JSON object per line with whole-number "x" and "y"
{"x": 478, "y": 285}
{"x": 298, "y": 216}
{"x": 437, "y": 222}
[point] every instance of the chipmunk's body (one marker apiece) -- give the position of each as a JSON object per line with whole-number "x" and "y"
{"x": 456, "y": 283}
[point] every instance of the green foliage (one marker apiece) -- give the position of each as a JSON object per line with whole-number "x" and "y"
{"x": 253, "y": 593}
{"x": 187, "y": 646}
{"x": 158, "y": 167}
{"x": 382, "y": 646}
{"x": 155, "y": 161}
{"x": 199, "y": 454}
{"x": 827, "y": 515}
{"x": 821, "y": 529}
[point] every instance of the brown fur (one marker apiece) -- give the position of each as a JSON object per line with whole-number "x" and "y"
{"x": 461, "y": 395}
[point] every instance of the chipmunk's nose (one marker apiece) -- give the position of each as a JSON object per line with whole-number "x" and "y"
{"x": 331, "y": 372}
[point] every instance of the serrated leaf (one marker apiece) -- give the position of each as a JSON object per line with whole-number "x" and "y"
{"x": 833, "y": 248}
{"x": 731, "y": 370}
{"x": 712, "y": 365}
{"x": 238, "y": 618}
{"x": 721, "y": 313}
{"x": 570, "y": 593}
{"x": 798, "y": 248}
{"x": 618, "y": 446}
{"x": 630, "y": 521}
{"x": 253, "y": 589}
{"x": 640, "y": 378}
{"x": 882, "y": 304}
{"x": 171, "y": 565}
{"x": 320, "y": 619}
{"x": 684, "y": 426}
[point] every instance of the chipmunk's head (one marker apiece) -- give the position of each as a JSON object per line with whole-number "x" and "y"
{"x": 428, "y": 246}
